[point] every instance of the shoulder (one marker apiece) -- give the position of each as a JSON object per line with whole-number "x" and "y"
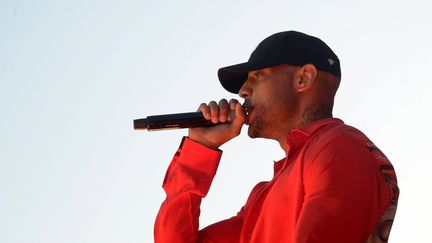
{"x": 337, "y": 137}
{"x": 340, "y": 146}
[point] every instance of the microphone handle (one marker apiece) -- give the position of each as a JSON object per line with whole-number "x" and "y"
{"x": 172, "y": 121}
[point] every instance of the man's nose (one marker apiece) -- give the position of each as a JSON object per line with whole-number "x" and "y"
{"x": 245, "y": 90}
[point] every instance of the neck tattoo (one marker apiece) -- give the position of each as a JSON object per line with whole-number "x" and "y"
{"x": 315, "y": 112}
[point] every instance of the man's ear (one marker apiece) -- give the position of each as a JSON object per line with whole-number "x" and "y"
{"x": 306, "y": 75}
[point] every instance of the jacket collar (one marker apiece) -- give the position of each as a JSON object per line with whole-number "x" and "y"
{"x": 300, "y": 135}
{"x": 309, "y": 129}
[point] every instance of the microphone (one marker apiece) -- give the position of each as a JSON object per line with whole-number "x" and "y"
{"x": 172, "y": 121}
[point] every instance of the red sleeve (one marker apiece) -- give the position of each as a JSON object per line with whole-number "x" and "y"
{"x": 345, "y": 194}
{"x": 186, "y": 182}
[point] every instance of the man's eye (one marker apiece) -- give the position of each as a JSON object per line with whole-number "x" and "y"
{"x": 258, "y": 75}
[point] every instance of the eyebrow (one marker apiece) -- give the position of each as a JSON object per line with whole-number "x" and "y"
{"x": 258, "y": 72}
{"x": 254, "y": 74}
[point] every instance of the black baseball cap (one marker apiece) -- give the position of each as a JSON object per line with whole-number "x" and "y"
{"x": 288, "y": 47}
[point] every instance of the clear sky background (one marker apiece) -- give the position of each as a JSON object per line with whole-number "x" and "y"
{"x": 74, "y": 75}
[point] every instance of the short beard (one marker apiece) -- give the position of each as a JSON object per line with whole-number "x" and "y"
{"x": 263, "y": 123}
{"x": 273, "y": 118}
{"x": 259, "y": 124}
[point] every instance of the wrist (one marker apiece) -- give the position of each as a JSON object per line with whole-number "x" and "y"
{"x": 204, "y": 143}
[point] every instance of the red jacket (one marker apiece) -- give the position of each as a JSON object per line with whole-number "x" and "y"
{"x": 334, "y": 186}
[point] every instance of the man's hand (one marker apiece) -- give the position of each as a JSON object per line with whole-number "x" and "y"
{"x": 232, "y": 115}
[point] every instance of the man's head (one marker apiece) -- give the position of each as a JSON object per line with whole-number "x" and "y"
{"x": 289, "y": 80}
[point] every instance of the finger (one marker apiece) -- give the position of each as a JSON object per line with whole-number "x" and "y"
{"x": 214, "y": 112}
{"x": 233, "y": 103}
{"x": 240, "y": 116}
{"x": 223, "y": 110}
{"x": 205, "y": 110}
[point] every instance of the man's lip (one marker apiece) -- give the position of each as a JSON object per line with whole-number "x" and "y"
{"x": 248, "y": 108}
{"x": 248, "y": 112}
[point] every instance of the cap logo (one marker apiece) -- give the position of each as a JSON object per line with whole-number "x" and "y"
{"x": 331, "y": 61}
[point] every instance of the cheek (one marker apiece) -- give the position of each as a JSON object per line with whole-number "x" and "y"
{"x": 278, "y": 93}
{"x": 282, "y": 100}
{"x": 274, "y": 95}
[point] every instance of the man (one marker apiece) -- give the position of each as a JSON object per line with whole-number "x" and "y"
{"x": 334, "y": 186}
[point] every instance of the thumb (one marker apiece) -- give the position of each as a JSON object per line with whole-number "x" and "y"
{"x": 239, "y": 118}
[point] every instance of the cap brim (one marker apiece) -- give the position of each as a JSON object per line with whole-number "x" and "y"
{"x": 233, "y": 77}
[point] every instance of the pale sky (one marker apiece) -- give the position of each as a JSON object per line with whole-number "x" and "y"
{"x": 74, "y": 75}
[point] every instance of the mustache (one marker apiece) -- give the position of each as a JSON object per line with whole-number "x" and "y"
{"x": 247, "y": 104}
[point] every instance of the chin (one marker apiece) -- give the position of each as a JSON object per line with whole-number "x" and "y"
{"x": 252, "y": 135}
{"x": 253, "y": 132}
